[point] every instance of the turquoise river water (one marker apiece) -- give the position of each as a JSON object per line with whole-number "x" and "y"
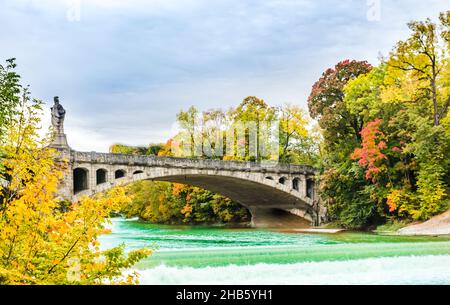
{"x": 218, "y": 255}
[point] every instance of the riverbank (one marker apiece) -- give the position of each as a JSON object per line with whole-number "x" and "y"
{"x": 286, "y": 222}
{"x": 438, "y": 225}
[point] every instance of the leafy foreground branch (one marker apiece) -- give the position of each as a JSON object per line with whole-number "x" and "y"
{"x": 40, "y": 242}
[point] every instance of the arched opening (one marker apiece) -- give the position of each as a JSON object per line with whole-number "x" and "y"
{"x": 101, "y": 176}
{"x": 282, "y": 180}
{"x": 269, "y": 178}
{"x": 120, "y": 173}
{"x": 251, "y": 194}
{"x": 137, "y": 172}
{"x": 80, "y": 180}
{"x": 310, "y": 188}
{"x": 295, "y": 184}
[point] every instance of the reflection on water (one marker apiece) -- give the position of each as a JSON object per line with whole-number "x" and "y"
{"x": 195, "y": 255}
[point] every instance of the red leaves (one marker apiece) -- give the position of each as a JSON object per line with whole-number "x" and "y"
{"x": 327, "y": 91}
{"x": 370, "y": 154}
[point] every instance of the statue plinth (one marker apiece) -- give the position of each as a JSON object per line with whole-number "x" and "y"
{"x": 59, "y": 141}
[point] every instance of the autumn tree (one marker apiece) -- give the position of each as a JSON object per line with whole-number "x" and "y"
{"x": 326, "y": 103}
{"x": 298, "y": 141}
{"x": 189, "y": 133}
{"x": 424, "y": 59}
{"x": 39, "y": 242}
{"x": 404, "y": 149}
{"x": 174, "y": 203}
{"x": 343, "y": 184}
{"x": 255, "y": 116}
{"x": 152, "y": 149}
{"x": 214, "y": 123}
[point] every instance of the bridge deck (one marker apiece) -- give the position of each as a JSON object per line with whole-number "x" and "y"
{"x": 141, "y": 160}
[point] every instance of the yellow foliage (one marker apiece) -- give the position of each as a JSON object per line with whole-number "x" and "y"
{"x": 186, "y": 210}
{"x": 294, "y": 121}
{"x": 177, "y": 188}
{"x": 39, "y": 243}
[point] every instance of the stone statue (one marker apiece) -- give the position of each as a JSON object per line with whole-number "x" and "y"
{"x": 58, "y": 114}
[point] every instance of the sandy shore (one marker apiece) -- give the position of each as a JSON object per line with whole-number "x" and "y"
{"x": 438, "y": 225}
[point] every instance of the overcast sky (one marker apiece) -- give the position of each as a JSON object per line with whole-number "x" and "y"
{"x": 123, "y": 69}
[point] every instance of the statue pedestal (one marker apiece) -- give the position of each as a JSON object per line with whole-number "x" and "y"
{"x": 59, "y": 141}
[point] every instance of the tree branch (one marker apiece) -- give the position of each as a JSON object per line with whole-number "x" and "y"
{"x": 65, "y": 255}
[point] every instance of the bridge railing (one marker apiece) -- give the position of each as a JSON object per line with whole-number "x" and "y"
{"x": 143, "y": 160}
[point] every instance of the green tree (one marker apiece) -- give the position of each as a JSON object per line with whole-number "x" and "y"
{"x": 10, "y": 90}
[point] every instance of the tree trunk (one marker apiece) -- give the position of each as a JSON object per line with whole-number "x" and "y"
{"x": 434, "y": 98}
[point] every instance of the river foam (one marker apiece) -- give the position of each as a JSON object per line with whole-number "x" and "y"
{"x": 429, "y": 269}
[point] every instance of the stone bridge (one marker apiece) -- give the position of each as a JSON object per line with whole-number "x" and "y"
{"x": 259, "y": 186}
{"x": 270, "y": 191}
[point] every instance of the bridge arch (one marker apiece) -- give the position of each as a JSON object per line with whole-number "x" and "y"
{"x": 296, "y": 184}
{"x": 120, "y": 173}
{"x": 101, "y": 176}
{"x": 80, "y": 179}
{"x": 310, "y": 187}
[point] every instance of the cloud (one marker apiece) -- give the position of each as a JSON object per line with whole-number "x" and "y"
{"x": 127, "y": 67}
